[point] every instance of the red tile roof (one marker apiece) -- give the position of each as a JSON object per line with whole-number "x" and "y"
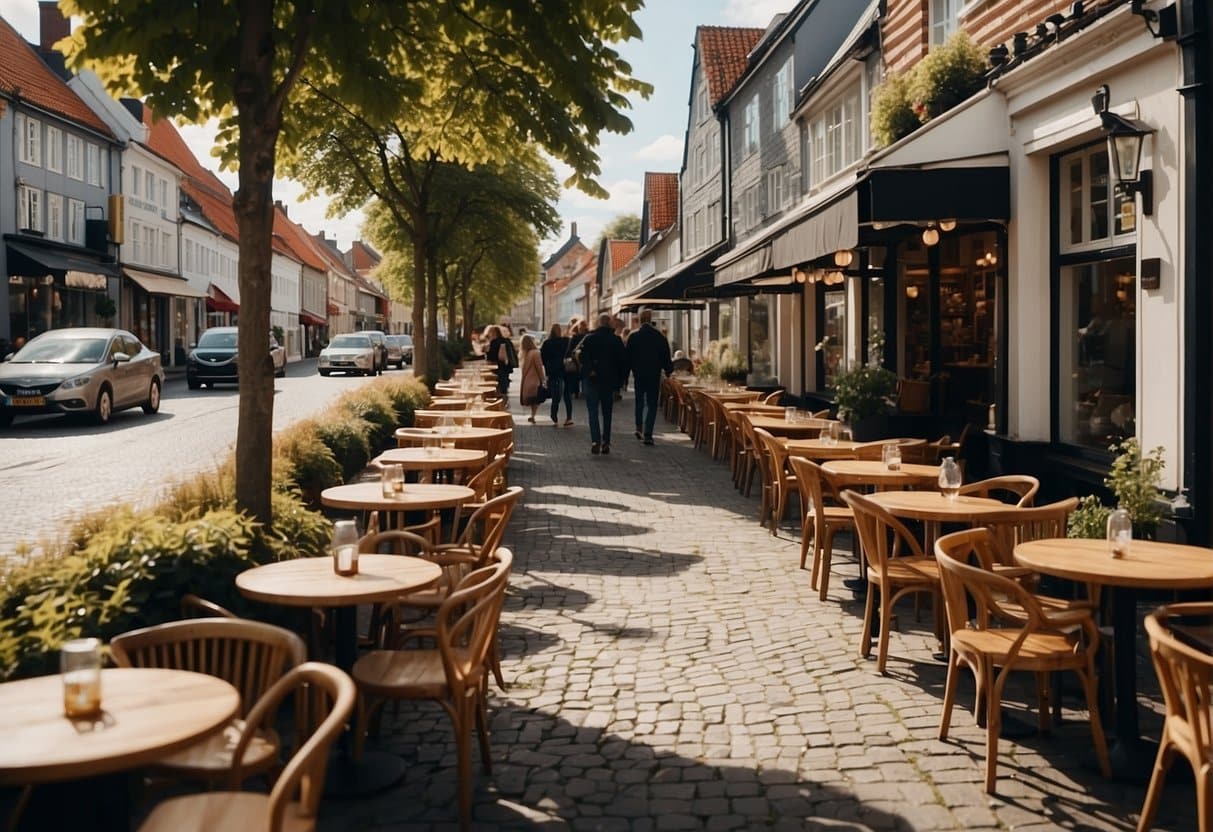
{"x": 298, "y": 241}
{"x": 164, "y": 140}
{"x": 216, "y": 207}
{"x": 622, "y": 252}
{"x": 722, "y": 53}
{"x": 23, "y": 75}
{"x": 661, "y": 194}
{"x": 363, "y": 256}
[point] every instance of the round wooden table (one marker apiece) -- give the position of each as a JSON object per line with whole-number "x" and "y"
{"x": 456, "y": 388}
{"x": 778, "y": 426}
{"x": 424, "y": 419}
{"x": 311, "y": 582}
{"x": 428, "y": 460}
{"x": 146, "y": 713}
{"x": 848, "y": 472}
{"x": 368, "y": 496}
{"x": 816, "y": 449}
{"x": 1148, "y": 565}
{"x": 412, "y": 436}
{"x": 755, "y": 408}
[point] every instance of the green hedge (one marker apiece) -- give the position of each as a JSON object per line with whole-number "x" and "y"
{"x": 122, "y": 569}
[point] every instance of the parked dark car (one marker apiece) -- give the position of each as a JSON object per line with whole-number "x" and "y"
{"x": 379, "y": 339}
{"x": 82, "y": 370}
{"x": 213, "y": 359}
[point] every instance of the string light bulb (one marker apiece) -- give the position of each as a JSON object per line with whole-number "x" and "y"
{"x": 843, "y": 258}
{"x": 947, "y": 225}
{"x": 930, "y": 235}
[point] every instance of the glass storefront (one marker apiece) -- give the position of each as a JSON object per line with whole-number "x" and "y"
{"x": 762, "y": 365}
{"x": 834, "y": 334}
{"x": 36, "y": 304}
{"x": 1097, "y": 399}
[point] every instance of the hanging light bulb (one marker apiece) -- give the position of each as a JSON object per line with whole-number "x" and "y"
{"x": 843, "y": 258}
{"x": 930, "y": 235}
{"x": 911, "y": 291}
{"x": 947, "y": 225}
{"x": 799, "y": 276}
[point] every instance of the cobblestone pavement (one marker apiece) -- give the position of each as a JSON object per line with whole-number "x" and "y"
{"x": 669, "y": 669}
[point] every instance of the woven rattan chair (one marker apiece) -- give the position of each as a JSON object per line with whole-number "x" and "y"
{"x": 293, "y": 801}
{"x": 772, "y": 398}
{"x": 873, "y": 450}
{"x": 1009, "y": 631}
{"x": 455, "y": 674}
{"x": 252, "y": 656}
{"x": 821, "y": 519}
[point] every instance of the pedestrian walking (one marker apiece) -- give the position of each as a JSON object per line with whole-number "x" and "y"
{"x": 648, "y": 356}
{"x": 604, "y": 366}
{"x": 533, "y": 377}
{"x": 500, "y": 354}
{"x": 555, "y": 348}
{"x": 577, "y": 332}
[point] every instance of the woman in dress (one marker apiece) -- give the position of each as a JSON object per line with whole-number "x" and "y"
{"x": 533, "y": 376}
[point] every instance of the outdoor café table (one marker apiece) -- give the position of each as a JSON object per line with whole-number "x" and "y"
{"x": 1147, "y": 565}
{"x": 420, "y": 496}
{"x": 817, "y": 450}
{"x": 854, "y": 472}
{"x": 755, "y": 408}
{"x": 146, "y": 714}
{"x": 427, "y": 460}
{"x": 779, "y": 426}
{"x": 470, "y": 390}
{"x": 448, "y": 403}
{"x": 733, "y": 396}
{"x": 311, "y": 582}
{"x": 412, "y": 436}
{"x": 478, "y": 418}
{"x": 932, "y": 508}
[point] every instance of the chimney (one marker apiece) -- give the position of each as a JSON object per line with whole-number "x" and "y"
{"x": 573, "y": 233}
{"x": 52, "y": 25}
{"x": 278, "y": 204}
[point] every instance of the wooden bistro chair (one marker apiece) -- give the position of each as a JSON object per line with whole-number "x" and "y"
{"x": 455, "y": 673}
{"x": 772, "y": 398}
{"x": 250, "y": 655}
{"x": 820, "y": 520}
{"x": 896, "y": 567}
{"x": 783, "y": 482}
{"x": 740, "y": 454}
{"x": 874, "y": 450}
{"x": 1185, "y": 675}
{"x": 1019, "y": 488}
{"x": 293, "y": 801}
{"x": 1010, "y": 630}
{"x": 194, "y": 606}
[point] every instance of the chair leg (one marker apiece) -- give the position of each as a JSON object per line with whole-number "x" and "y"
{"x": 993, "y": 729}
{"x": 495, "y": 664}
{"x": 1043, "y": 718}
{"x": 1089, "y": 689}
{"x": 808, "y": 535}
{"x": 865, "y": 637}
{"x": 949, "y": 695}
{"x": 482, "y": 729}
{"x": 1204, "y": 790}
{"x": 361, "y": 717}
{"x": 827, "y": 555}
{"x": 463, "y": 754}
{"x": 886, "y": 615}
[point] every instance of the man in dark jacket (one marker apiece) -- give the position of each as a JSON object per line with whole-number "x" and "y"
{"x": 604, "y": 366}
{"x": 500, "y": 354}
{"x": 648, "y": 356}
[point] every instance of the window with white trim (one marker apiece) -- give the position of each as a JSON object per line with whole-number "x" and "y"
{"x": 29, "y": 140}
{"x": 781, "y": 96}
{"x": 54, "y": 217}
{"x": 29, "y": 208}
{"x": 136, "y": 179}
{"x": 137, "y": 241}
{"x": 92, "y": 163}
{"x": 750, "y": 138}
{"x": 836, "y": 137}
{"x": 1092, "y": 215}
{"x": 54, "y": 149}
{"x": 149, "y": 190}
{"x": 164, "y": 193}
{"x": 776, "y": 194}
{"x": 75, "y": 158}
{"x": 166, "y": 249}
{"x": 75, "y": 222}
{"x": 945, "y": 18}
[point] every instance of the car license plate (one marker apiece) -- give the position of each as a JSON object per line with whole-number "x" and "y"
{"x": 27, "y": 401}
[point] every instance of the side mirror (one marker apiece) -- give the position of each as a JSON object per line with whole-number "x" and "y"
{"x": 121, "y": 358}
{"x": 193, "y": 345}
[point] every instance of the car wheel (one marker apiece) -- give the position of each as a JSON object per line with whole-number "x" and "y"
{"x": 152, "y": 405}
{"x": 324, "y": 372}
{"x": 192, "y": 383}
{"x": 105, "y": 407}
{"x": 6, "y": 418}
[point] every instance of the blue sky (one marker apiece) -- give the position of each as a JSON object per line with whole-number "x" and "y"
{"x": 663, "y": 58}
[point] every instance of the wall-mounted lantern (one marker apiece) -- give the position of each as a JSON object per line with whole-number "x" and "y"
{"x": 1125, "y": 139}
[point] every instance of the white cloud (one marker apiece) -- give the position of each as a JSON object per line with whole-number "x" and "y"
{"x": 754, "y": 12}
{"x": 665, "y": 148}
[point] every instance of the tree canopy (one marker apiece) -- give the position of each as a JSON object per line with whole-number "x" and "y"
{"x": 623, "y": 227}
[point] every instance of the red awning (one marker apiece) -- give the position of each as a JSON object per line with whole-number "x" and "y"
{"x": 308, "y": 319}
{"x": 217, "y": 301}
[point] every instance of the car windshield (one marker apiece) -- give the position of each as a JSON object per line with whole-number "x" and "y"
{"x": 217, "y": 340}
{"x": 350, "y": 342}
{"x": 63, "y": 351}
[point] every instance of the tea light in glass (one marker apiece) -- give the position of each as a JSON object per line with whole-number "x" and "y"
{"x": 890, "y": 455}
{"x": 1120, "y": 532}
{"x": 345, "y": 547}
{"x": 789, "y": 414}
{"x": 80, "y": 665}
{"x": 949, "y": 478}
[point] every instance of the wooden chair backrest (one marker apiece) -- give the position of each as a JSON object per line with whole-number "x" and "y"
{"x": 998, "y": 600}
{"x": 394, "y": 542}
{"x": 484, "y": 483}
{"x": 467, "y": 623}
{"x": 873, "y": 450}
{"x": 249, "y": 655}
{"x": 486, "y": 527}
{"x": 194, "y": 606}
{"x": 330, "y": 694}
{"x": 821, "y": 414}
{"x": 1185, "y": 675}
{"x": 927, "y": 453}
{"x": 494, "y": 419}
{"x": 1015, "y": 526}
{"x": 776, "y": 453}
{"x": 881, "y": 535}
{"x": 772, "y": 398}
{"x": 1022, "y": 486}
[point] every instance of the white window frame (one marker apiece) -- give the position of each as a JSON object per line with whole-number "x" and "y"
{"x": 29, "y": 209}
{"x": 54, "y": 217}
{"x": 836, "y": 136}
{"x": 944, "y": 20}
{"x": 75, "y": 221}
{"x": 166, "y": 249}
{"x": 29, "y": 141}
{"x": 137, "y": 241}
{"x": 54, "y": 149}
{"x": 136, "y": 179}
{"x": 75, "y": 158}
{"x": 750, "y": 126}
{"x": 776, "y": 192}
{"x": 149, "y": 186}
{"x": 781, "y": 86}
{"x": 92, "y": 163}
{"x": 1111, "y": 205}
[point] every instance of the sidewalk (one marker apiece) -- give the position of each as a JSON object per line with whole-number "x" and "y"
{"x": 670, "y": 669}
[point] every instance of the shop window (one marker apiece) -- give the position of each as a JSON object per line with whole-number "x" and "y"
{"x": 834, "y": 335}
{"x": 762, "y": 364}
{"x": 1092, "y": 215}
{"x": 1097, "y": 402}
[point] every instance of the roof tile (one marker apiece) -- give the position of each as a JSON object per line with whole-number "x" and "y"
{"x": 297, "y": 241}
{"x": 723, "y": 53}
{"x": 622, "y": 252}
{"x": 23, "y": 75}
{"x": 661, "y": 194}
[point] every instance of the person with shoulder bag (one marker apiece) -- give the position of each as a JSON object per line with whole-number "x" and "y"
{"x": 604, "y": 366}
{"x": 648, "y": 356}
{"x": 533, "y": 390}
{"x": 554, "y": 353}
{"x": 572, "y": 362}
{"x": 500, "y": 353}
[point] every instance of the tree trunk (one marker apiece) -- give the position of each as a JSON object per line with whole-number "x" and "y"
{"x": 433, "y": 366}
{"x": 452, "y": 332}
{"x": 420, "y": 348}
{"x": 253, "y": 205}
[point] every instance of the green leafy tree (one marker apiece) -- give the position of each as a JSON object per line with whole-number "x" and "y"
{"x": 623, "y": 227}
{"x": 545, "y": 71}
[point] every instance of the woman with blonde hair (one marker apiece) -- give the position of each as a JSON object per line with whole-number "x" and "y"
{"x": 533, "y": 377}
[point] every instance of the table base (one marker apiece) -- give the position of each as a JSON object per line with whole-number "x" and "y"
{"x": 1133, "y": 762}
{"x": 375, "y": 772}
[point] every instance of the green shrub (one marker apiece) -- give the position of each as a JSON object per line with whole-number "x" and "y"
{"x": 346, "y": 437}
{"x": 1089, "y": 520}
{"x": 892, "y": 115}
{"x": 374, "y": 407}
{"x": 407, "y": 397}
{"x": 306, "y": 462}
{"x": 1134, "y": 480}
{"x": 948, "y": 75}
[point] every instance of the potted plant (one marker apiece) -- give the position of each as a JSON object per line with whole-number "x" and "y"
{"x": 1134, "y": 480}
{"x": 733, "y": 366}
{"x": 863, "y": 394}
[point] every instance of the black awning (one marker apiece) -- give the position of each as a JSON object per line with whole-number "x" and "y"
{"x": 677, "y": 281}
{"x": 32, "y": 260}
{"x": 965, "y": 194}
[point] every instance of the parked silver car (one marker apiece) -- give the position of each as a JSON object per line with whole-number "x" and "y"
{"x": 399, "y": 350}
{"x": 80, "y": 370}
{"x": 353, "y": 354}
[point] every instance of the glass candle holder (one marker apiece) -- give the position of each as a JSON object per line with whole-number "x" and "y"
{"x": 789, "y": 414}
{"x": 890, "y": 455}
{"x": 345, "y": 547}
{"x": 949, "y": 478}
{"x": 80, "y": 666}
{"x": 1120, "y": 532}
